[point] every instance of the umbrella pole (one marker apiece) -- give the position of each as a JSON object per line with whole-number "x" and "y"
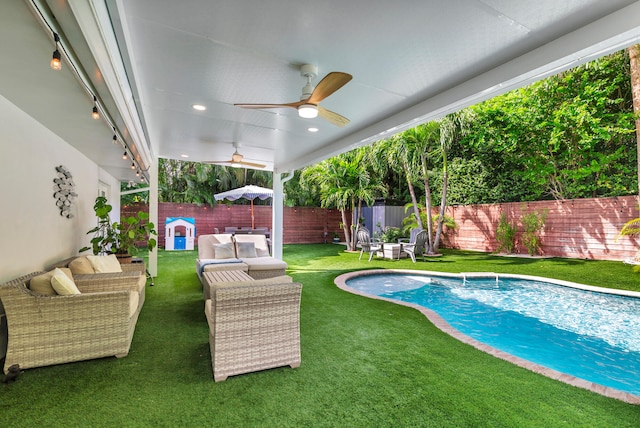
{"x": 253, "y": 226}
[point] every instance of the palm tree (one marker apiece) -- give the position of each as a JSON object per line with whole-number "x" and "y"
{"x": 344, "y": 181}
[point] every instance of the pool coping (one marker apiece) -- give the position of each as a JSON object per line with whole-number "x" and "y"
{"x": 440, "y": 323}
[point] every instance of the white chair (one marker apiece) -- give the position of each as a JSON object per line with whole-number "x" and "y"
{"x": 367, "y": 244}
{"x": 417, "y": 247}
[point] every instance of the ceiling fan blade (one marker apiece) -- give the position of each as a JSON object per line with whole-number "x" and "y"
{"x": 255, "y": 165}
{"x": 260, "y": 106}
{"x": 217, "y": 162}
{"x": 332, "y": 117}
{"x": 327, "y": 86}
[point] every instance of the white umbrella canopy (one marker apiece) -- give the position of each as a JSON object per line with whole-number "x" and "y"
{"x": 250, "y": 192}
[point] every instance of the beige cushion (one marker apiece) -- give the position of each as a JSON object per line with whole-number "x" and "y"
{"x": 246, "y": 249}
{"x": 105, "y": 264}
{"x": 260, "y": 242}
{"x": 81, "y": 265}
{"x": 225, "y": 266}
{"x": 264, "y": 263}
{"x": 224, "y": 251}
{"x": 134, "y": 298}
{"x": 41, "y": 284}
{"x": 63, "y": 284}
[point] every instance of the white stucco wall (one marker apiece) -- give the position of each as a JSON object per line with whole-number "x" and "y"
{"x": 33, "y": 234}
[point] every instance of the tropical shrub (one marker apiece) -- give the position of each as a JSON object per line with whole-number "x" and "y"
{"x": 532, "y": 225}
{"x": 505, "y": 235}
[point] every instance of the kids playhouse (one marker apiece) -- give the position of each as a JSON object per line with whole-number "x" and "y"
{"x": 179, "y": 233}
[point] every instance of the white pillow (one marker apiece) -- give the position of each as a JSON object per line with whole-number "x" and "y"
{"x": 105, "y": 264}
{"x": 246, "y": 249}
{"x": 224, "y": 251}
{"x": 63, "y": 284}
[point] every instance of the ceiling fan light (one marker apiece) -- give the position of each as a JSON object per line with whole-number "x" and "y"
{"x": 308, "y": 111}
{"x": 235, "y": 165}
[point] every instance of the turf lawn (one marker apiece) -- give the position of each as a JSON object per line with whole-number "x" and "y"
{"x": 365, "y": 363}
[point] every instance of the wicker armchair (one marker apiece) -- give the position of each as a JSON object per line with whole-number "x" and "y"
{"x": 46, "y": 330}
{"x": 253, "y": 327}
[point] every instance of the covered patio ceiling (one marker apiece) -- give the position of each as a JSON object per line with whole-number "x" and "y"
{"x": 150, "y": 61}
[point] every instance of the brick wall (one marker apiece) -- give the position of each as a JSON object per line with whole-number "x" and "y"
{"x": 581, "y": 228}
{"x": 301, "y": 225}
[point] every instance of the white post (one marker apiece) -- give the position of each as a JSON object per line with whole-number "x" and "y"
{"x": 153, "y": 214}
{"x": 277, "y": 220}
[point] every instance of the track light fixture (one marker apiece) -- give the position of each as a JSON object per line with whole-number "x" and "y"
{"x": 124, "y": 155}
{"x": 55, "y": 61}
{"x": 95, "y": 113}
{"x": 138, "y": 173}
{"x": 133, "y": 165}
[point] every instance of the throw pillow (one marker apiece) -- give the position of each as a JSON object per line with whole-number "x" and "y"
{"x": 246, "y": 249}
{"x": 41, "y": 284}
{"x": 224, "y": 251}
{"x": 63, "y": 284}
{"x": 105, "y": 264}
{"x": 81, "y": 265}
{"x": 262, "y": 252}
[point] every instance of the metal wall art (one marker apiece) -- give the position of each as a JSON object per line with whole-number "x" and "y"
{"x": 63, "y": 189}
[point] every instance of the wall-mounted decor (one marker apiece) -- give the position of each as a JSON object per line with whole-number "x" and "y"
{"x": 63, "y": 191}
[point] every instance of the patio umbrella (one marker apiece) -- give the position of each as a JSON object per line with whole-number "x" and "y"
{"x": 247, "y": 192}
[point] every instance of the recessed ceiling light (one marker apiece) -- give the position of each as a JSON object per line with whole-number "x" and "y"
{"x": 313, "y": 129}
{"x": 199, "y": 107}
{"x": 184, "y": 156}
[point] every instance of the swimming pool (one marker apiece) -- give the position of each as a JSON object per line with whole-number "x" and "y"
{"x": 586, "y": 335}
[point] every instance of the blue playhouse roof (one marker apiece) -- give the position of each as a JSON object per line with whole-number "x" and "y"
{"x": 187, "y": 219}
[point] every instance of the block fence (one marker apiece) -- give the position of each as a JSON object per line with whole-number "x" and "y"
{"x": 578, "y": 228}
{"x": 302, "y": 225}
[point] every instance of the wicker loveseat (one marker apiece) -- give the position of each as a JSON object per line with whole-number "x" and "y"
{"x": 45, "y": 329}
{"x": 253, "y": 325}
{"x": 249, "y": 253}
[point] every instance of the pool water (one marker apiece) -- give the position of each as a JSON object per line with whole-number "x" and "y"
{"x": 590, "y": 335}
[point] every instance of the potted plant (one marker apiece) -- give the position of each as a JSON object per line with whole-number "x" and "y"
{"x": 336, "y": 237}
{"x": 120, "y": 238}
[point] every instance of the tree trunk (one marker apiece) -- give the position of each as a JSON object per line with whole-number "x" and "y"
{"x": 345, "y": 228}
{"x": 427, "y": 204}
{"x": 634, "y": 66}
{"x": 412, "y": 192}
{"x": 443, "y": 207}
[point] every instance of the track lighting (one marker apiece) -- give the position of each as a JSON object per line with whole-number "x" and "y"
{"x": 124, "y": 155}
{"x": 95, "y": 113}
{"x": 133, "y": 165}
{"x": 55, "y": 61}
{"x": 138, "y": 173}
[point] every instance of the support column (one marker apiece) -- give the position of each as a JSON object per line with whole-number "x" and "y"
{"x": 277, "y": 229}
{"x": 153, "y": 214}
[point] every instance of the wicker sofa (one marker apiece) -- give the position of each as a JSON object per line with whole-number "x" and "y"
{"x": 46, "y": 328}
{"x": 249, "y": 253}
{"x": 253, "y": 325}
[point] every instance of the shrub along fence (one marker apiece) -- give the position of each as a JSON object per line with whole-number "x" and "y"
{"x": 580, "y": 228}
{"x": 301, "y": 225}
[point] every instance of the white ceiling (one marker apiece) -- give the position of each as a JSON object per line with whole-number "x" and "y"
{"x": 412, "y": 61}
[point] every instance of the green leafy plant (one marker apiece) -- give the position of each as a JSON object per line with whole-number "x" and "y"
{"x": 119, "y": 237}
{"x": 390, "y": 234}
{"x": 532, "y": 224}
{"x": 505, "y": 235}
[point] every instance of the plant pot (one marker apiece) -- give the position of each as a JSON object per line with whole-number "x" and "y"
{"x": 124, "y": 258}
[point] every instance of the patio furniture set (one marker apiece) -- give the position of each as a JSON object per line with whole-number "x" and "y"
{"x": 414, "y": 246}
{"x": 87, "y": 307}
{"x": 252, "y": 307}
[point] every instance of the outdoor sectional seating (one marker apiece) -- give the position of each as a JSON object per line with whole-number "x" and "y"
{"x": 253, "y": 324}
{"x": 248, "y": 253}
{"x": 46, "y": 328}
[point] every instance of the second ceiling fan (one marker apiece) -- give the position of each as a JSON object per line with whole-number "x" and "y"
{"x": 308, "y": 105}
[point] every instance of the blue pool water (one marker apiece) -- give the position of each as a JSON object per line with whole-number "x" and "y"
{"x": 589, "y": 335}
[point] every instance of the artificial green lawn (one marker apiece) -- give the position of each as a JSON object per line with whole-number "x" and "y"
{"x": 364, "y": 362}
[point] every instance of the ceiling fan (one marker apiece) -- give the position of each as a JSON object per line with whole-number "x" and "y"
{"x": 237, "y": 162}
{"x": 308, "y": 105}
